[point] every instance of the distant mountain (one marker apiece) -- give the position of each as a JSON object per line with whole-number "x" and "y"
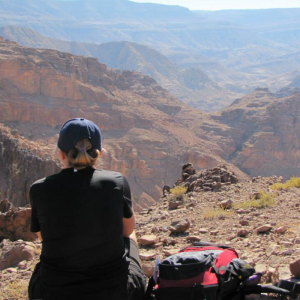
{"x": 190, "y": 85}
{"x": 156, "y": 25}
{"x": 277, "y": 25}
{"x": 292, "y": 88}
{"x": 30, "y": 38}
{"x": 295, "y": 83}
{"x": 238, "y": 49}
{"x": 272, "y": 67}
{"x": 92, "y": 10}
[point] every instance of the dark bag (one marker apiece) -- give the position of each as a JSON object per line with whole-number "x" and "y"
{"x": 205, "y": 271}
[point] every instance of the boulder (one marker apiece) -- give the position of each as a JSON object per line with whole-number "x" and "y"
{"x": 174, "y": 203}
{"x": 281, "y": 229}
{"x": 147, "y": 256}
{"x": 242, "y": 233}
{"x": 18, "y": 253}
{"x": 15, "y": 225}
{"x": 264, "y": 228}
{"x": 244, "y": 222}
{"x": 226, "y": 204}
{"x": 180, "y": 226}
{"x": 147, "y": 240}
{"x": 295, "y": 268}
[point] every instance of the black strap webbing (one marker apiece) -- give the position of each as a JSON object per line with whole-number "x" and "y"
{"x": 289, "y": 285}
{"x": 259, "y": 289}
{"x": 151, "y": 285}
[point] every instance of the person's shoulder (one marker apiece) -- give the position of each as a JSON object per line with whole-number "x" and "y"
{"x": 39, "y": 183}
{"x": 109, "y": 176}
{"x": 108, "y": 173}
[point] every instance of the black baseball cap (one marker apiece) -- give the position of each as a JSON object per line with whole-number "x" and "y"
{"x": 77, "y": 129}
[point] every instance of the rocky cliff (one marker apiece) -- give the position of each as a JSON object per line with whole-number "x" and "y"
{"x": 147, "y": 133}
{"x": 260, "y": 134}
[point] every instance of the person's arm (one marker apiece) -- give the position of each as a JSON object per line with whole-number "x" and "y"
{"x": 128, "y": 213}
{"x": 129, "y": 225}
{"x": 35, "y": 225}
{"x": 39, "y": 236}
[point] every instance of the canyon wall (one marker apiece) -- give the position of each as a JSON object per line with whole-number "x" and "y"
{"x": 260, "y": 134}
{"x": 147, "y": 133}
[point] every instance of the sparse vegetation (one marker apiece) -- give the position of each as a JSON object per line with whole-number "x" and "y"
{"x": 16, "y": 290}
{"x": 264, "y": 200}
{"x": 178, "y": 191}
{"x": 293, "y": 182}
{"x": 218, "y": 213}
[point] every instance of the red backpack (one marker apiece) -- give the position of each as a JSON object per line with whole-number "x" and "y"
{"x": 205, "y": 271}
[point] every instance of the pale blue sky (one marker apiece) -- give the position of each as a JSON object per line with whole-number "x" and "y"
{"x": 227, "y": 4}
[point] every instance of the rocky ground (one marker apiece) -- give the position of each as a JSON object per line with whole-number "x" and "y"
{"x": 266, "y": 237}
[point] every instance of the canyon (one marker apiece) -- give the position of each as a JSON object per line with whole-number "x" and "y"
{"x": 147, "y": 132}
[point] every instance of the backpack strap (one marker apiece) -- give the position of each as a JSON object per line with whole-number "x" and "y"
{"x": 270, "y": 289}
{"x": 207, "y": 244}
{"x": 289, "y": 285}
{"x": 151, "y": 285}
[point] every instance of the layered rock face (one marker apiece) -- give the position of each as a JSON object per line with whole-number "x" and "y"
{"x": 15, "y": 223}
{"x": 147, "y": 133}
{"x": 20, "y": 166}
{"x": 261, "y": 134}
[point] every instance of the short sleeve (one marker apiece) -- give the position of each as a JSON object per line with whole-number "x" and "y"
{"x": 35, "y": 225}
{"x": 127, "y": 208}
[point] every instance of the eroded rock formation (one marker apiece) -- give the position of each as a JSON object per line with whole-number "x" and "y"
{"x": 260, "y": 134}
{"x": 15, "y": 223}
{"x": 147, "y": 133}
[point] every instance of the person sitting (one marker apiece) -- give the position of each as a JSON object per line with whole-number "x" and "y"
{"x": 85, "y": 219}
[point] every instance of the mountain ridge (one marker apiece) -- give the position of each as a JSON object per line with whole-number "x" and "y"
{"x": 146, "y": 130}
{"x": 191, "y": 85}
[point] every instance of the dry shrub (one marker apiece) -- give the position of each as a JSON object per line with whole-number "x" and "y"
{"x": 264, "y": 200}
{"x": 292, "y": 182}
{"x": 178, "y": 191}
{"x": 16, "y": 290}
{"x": 217, "y": 213}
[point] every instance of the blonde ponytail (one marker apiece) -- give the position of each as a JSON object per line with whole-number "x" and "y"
{"x": 82, "y": 155}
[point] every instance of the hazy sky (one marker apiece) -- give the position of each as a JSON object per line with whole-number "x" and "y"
{"x": 227, "y": 4}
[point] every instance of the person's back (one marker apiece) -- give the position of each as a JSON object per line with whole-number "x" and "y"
{"x": 83, "y": 215}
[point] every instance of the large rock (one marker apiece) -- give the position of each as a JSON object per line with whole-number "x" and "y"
{"x": 147, "y": 240}
{"x": 207, "y": 179}
{"x": 295, "y": 268}
{"x": 15, "y": 224}
{"x": 19, "y": 252}
{"x": 264, "y": 228}
{"x": 180, "y": 226}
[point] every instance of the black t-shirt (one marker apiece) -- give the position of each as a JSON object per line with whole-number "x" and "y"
{"x": 80, "y": 216}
